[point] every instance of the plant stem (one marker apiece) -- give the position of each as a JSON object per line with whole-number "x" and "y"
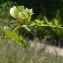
{"x": 44, "y": 25}
{"x": 18, "y": 26}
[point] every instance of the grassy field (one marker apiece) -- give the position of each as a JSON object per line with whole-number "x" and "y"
{"x": 12, "y": 52}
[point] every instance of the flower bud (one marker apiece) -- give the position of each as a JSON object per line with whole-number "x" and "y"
{"x": 12, "y": 11}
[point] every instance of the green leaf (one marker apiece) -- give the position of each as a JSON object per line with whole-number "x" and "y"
{"x": 47, "y": 22}
{"x": 7, "y": 33}
{"x": 38, "y": 21}
{"x": 23, "y": 42}
{"x": 56, "y": 22}
{"x": 15, "y": 36}
{"x": 34, "y": 23}
{"x": 50, "y": 23}
{"x": 58, "y": 16}
{"x": 27, "y": 28}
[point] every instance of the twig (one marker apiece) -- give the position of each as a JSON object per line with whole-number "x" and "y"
{"x": 44, "y": 25}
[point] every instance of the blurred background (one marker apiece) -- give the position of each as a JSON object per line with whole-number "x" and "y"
{"x": 52, "y": 9}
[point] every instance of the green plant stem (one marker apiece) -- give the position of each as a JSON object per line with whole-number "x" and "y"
{"x": 45, "y": 25}
{"x": 18, "y": 26}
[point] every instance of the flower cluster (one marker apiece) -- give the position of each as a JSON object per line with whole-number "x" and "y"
{"x": 20, "y": 12}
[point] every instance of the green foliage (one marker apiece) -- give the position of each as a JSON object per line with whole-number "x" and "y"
{"x": 23, "y": 15}
{"x": 27, "y": 28}
{"x": 47, "y": 22}
{"x": 14, "y": 36}
{"x": 56, "y": 22}
{"x": 4, "y": 9}
{"x": 40, "y": 22}
{"x": 58, "y": 16}
{"x": 57, "y": 33}
{"x": 48, "y": 10}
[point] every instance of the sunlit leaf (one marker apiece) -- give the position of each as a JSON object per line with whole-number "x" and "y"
{"x": 47, "y": 22}
{"x": 56, "y": 22}
{"x": 38, "y": 21}
{"x": 15, "y": 36}
{"x": 7, "y": 33}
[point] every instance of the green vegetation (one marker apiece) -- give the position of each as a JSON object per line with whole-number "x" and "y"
{"x": 4, "y": 9}
{"x": 46, "y": 22}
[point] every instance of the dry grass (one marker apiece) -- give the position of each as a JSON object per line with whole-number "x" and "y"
{"x": 12, "y": 52}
